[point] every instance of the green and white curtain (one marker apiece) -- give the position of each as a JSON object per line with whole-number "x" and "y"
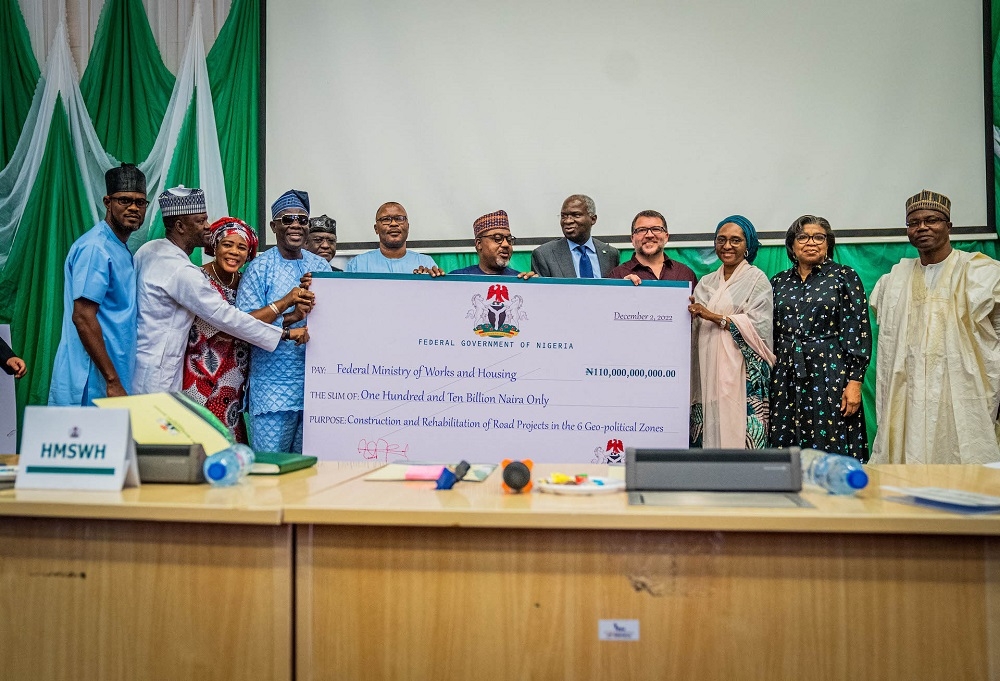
{"x": 60, "y": 132}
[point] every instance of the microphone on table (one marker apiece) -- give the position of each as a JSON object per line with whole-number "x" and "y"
{"x": 447, "y": 479}
{"x": 516, "y": 476}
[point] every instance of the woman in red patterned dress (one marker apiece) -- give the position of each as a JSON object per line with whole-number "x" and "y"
{"x": 216, "y": 365}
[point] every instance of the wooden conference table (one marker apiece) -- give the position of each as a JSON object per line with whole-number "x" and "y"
{"x": 321, "y": 574}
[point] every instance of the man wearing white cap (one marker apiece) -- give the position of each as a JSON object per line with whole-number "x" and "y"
{"x": 172, "y": 291}
{"x": 938, "y": 359}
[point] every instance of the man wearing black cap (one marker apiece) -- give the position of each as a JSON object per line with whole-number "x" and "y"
{"x": 938, "y": 359}
{"x": 323, "y": 239}
{"x": 96, "y": 353}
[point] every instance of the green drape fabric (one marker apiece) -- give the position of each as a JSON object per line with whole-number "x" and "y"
{"x": 234, "y": 73}
{"x": 126, "y": 86}
{"x": 183, "y": 168}
{"x": 31, "y": 285}
{"x": 18, "y": 77}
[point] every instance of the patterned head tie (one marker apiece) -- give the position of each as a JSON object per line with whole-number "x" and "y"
{"x": 182, "y": 201}
{"x": 490, "y": 221}
{"x": 749, "y": 233}
{"x": 125, "y": 178}
{"x": 293, "y": 198}
{"x": 928, "y": 200}
{"x": 228, "y": 226}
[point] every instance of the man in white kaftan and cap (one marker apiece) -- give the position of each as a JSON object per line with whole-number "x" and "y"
{"x": 938, "y": 358}
{"x": 172, "y": 291}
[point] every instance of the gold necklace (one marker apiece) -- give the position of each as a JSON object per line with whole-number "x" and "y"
{"x": 232, "y": 279}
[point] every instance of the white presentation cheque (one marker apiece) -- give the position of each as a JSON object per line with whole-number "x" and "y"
{"x": 403, "y": 367}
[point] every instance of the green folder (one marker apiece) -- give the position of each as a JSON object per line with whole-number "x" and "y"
{"x": 276, "y": 463}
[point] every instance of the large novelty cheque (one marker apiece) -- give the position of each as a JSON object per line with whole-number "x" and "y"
{"x": 403, "y": 367}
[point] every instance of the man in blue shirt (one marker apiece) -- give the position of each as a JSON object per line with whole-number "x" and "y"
{"x": 277, "y": 379}
{"x": 392, "y": 227}
{"x": 96, "y": 353}
{"x": 494, "y": 246}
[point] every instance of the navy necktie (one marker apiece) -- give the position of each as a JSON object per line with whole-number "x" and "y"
{"x": 586, "y": 269}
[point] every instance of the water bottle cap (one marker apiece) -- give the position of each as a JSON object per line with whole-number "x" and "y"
{"x": 216, "y": 471}
{"x": 857, "y": 479}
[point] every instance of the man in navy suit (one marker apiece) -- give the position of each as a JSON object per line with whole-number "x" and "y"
{"x": 577, "y": 254}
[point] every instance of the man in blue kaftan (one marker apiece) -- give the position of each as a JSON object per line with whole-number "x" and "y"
{"x": 277, "y": 379}
{"x": 392, "y": 226}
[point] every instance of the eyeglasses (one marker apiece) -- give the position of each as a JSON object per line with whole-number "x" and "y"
{"x": 932, "y": 221}
{"x": 802, "y": 238}
{"x": 648, "y": 230}
{"x": 390, "y": 219}
{"x": 292, "y": 219}
{"x": 325, "y": 240}
{"x": 125, "y": 202}
{"x": 500, "y": 238}
{"x": 734, "y": 241}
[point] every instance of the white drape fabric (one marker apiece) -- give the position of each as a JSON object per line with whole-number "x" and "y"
{"x": 168, "y": 19}
{"x": 192, "y": 81}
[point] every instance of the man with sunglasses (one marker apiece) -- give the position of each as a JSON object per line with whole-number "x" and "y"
{"x": 96, "y": 353}
{"x": 650, "y": 263}
{"x": 938, "y": 358}
{"x": 494, "y": 245}
{"x": 277, "y": 379}
{"x": 392, "y": 226}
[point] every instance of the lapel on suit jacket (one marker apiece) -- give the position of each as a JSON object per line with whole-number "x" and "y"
{"x": 604, "y": 257}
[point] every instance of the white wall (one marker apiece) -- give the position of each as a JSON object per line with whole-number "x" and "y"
{"x": 770, "y": 108}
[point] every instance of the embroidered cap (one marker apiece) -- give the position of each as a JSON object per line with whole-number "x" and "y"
{"x": 293, "y": 198}
{"x": 490, "y": 221}
{"x": 928, "y": 200}
{"x": 182, "y": 200}
{"x": 323, "y": 223}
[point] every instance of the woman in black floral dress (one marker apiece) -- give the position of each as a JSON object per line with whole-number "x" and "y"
{"x": 823, "y": 343}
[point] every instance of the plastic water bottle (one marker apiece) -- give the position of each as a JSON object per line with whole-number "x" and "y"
{"x": 833, "y": 472}
{"x": 229, "y": 466}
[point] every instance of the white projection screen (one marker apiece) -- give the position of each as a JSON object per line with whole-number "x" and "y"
{"x": 771, "y": 108}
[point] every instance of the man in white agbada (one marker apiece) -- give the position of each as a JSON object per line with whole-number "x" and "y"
{"x": 938, "y": 380}
{"x": 172, "y": 291}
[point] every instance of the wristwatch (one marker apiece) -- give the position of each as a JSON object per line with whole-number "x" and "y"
{"x": 723, "y": 323}
{"x": 286, "y": 334}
